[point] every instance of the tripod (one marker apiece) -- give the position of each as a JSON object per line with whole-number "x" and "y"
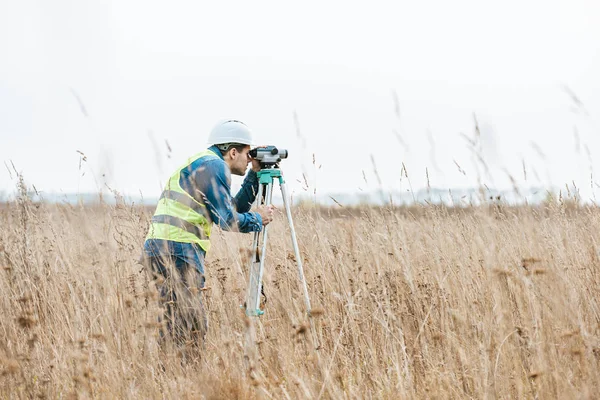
{"x": 266, "y": 178}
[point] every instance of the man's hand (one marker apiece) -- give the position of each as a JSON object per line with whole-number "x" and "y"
{"x": 255, "y": 165}
{"x": 266, "y": 212}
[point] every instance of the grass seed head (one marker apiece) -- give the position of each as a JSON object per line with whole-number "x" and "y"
{"x": 317, "y": 312}
{"x": 152, "y": 325}
{"x": 502, "y": 272}
{"x": 98, "y": 336}
{"x": 300, "y": 330}
{"x": 25, "y": 299}
{"x": 11, "y": 367}
{"x": 536, "y": 374}
{"x": 26, "y": 321}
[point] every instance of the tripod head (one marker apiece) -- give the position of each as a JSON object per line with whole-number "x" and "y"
{"x": 268, "y": 156}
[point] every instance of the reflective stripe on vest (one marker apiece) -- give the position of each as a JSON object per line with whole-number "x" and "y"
{"x": 178, "y": 216}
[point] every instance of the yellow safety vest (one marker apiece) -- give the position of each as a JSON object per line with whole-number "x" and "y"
{"x": 178, "y": 216}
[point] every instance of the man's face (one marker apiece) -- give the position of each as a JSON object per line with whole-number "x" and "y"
{"x": 240, "y": 161}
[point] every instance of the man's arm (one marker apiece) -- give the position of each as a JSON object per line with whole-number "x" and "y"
{"x": 214, "y": 184}
{"x": 247, "y": 195}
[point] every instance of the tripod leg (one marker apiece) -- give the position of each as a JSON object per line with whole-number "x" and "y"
{"x": 263, "y": 254}
{"x": 251, "y": 309}
{"x": 288, "y": 211}
{"x": 258, "y": 261}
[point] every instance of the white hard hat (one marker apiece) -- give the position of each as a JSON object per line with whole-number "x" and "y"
{"x": 230, "y": 131}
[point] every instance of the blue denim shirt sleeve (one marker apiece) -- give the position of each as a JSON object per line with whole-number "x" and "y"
{"x": 245, "y": 197}
{"x": 218, "y": 201}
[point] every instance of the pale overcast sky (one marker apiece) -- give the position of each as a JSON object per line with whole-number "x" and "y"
{"x": 398, "y": 81}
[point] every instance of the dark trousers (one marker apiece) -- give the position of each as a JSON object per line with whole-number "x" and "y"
{"x": 179, "y": 281}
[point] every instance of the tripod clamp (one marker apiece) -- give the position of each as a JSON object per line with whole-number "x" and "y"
{"x": 267, "y": 175}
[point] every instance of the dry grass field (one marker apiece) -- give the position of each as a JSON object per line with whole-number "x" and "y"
{"x": 488, "y": 303}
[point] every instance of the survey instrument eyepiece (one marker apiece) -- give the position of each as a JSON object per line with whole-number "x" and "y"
{"x": 268, "y": 156}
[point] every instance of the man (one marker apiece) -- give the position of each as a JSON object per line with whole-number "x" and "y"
{"x": 196, "y": 196}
